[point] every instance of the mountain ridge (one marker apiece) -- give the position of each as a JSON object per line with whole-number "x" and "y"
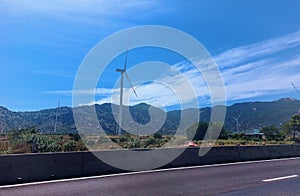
{"x": 250, "y": 115}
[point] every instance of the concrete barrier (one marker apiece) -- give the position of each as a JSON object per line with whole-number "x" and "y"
{"x": 190, "y": 157}
{"x": 32, "y": 167}
{"x": 296, "y": 150}
{"x": 23, "y": 168}
{"x": 274, "y": 152}
{"x": 93, "y": 166}
{"x": 249, "y": 153}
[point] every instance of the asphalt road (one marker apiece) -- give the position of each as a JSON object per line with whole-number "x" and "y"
{"x": 276, "y": 177}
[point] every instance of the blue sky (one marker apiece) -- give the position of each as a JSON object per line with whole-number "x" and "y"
{"x": 256, "y": 45}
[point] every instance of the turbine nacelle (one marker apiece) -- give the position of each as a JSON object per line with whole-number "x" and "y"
{"x": 120, "y": 70}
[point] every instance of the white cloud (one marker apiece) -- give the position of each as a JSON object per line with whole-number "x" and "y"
{"x": 251, "y": 71}
{"x": 265, "y": 78}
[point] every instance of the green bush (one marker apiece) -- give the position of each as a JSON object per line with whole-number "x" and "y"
{"x": 70, "y": 146}
{"x": 134, "y": 144}
{"x": 150, "y": 141}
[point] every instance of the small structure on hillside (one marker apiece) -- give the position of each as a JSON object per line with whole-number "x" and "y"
{"x": 255, "y": 133}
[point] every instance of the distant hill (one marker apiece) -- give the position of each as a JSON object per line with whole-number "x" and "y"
{"x": 259, "y": 114}
{"x": 251, "y": 115}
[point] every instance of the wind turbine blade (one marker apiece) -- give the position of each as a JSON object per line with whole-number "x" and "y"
{"x": 125, "y": 63}
{"x": 295, "y": 88}
{"x": 130, "y": 84}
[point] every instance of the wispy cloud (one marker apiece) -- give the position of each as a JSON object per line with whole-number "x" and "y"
{"x": 261, "y": 69}
{"x": 251, "y": 71}
{"x": 236, "y": 56}
{"x": 89, "y": 9}
{"x": 96, "y": 91}
{"x": 68, "y": 26}
{"x": 271, "y": 77}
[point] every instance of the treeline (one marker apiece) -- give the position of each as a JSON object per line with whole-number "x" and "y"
{"x": 288, "y": 131}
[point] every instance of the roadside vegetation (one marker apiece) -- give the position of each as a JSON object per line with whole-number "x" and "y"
{"x": 30, "y": 140}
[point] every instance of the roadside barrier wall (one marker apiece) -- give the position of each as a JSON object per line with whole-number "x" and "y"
{"x": 22, "y": 168}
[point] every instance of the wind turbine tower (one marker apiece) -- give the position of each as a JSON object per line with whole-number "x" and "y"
{"x": 56, "y": 116}
{"x": 123, "y": 72}
{"x": 237, "y": 123}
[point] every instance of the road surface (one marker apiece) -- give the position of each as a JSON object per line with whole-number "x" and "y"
{"x": 273, "y": 177}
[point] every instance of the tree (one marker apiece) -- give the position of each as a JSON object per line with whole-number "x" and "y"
{"x": 202, "y": 130}
{"x": 75, "y": 136}
{"x": 292, "y": 127}
{"x": 23, "y": 141}
{"x": 157, "y": 135}
{"x": 197, "y": 131}
{"x": 272, "y": 132}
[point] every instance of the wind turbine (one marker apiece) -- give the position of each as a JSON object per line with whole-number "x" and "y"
{"x": 56, "y": 116}
{"x": 237, "y": 123}
{"x": 123, "y": 72}
{"x": 297, "y": 92}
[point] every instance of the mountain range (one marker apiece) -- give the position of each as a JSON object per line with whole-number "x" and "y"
{"x": 239, "y": 117}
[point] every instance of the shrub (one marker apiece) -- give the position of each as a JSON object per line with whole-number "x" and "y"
{"x": 70, "y": 146}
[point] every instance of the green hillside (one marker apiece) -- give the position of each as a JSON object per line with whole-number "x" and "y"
{"x": 251, "y": 115}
